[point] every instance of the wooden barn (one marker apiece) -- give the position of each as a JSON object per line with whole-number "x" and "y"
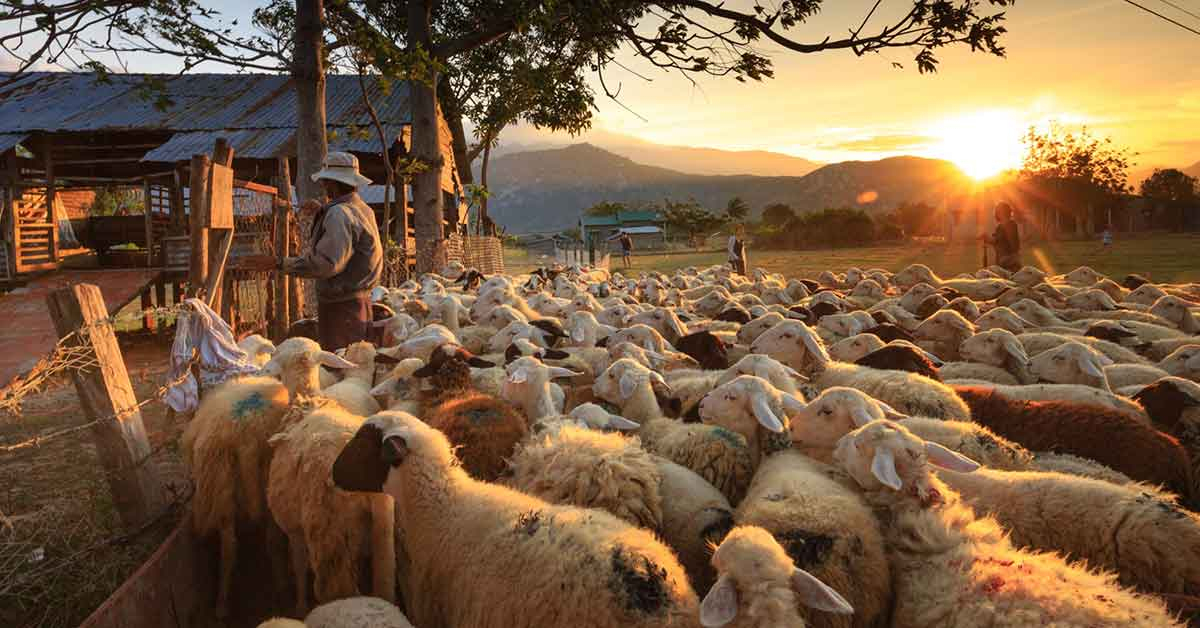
{"x": 66, "y": 132}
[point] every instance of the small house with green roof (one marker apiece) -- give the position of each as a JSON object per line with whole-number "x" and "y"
{"x": 601, "y": 233}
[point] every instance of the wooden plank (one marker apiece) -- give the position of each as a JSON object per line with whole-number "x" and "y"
{"x": 281, "y": 315}
{"x": 51, "y": 192}
{"x": 105, "y": 390}
{"x": 256, "y": 187}
{"x": 198, "y": 189}
{"x": 220, "y": 198}
{"x": 148, "y": 207}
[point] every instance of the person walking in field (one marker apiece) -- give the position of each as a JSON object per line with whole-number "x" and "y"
{"x": 1106, "y": 239}
{"x": 346, "y": 257}
{"x": 1006, "y": 239}
{"x": 626, "y": 247}
{"x": 737, "y": 250}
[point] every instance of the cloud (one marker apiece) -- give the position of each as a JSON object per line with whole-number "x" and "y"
{"x": 881, "y": 143}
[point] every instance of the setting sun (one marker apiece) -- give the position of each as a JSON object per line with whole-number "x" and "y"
{"x": 982, "y": 144}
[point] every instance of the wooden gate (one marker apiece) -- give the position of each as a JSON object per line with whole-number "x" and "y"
{"x": 33, "y": 235}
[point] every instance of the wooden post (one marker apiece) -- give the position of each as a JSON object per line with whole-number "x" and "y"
{"x": 105, "y": 391}
{"x": 281, "y": 316}
{"x": 197, "y": 190}
{"x": 177, "y": 212}
{"x": 51, "y": 192}
{"x": 147, "y": 317}
{"x": 149, "y": 222}
{"x": 220, "y": 240}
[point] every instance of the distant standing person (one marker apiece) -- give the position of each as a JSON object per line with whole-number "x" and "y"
{"x": 1106, "y": 239}
{"x": 737, "y": 250}
{"x": 1006, "y": 240}
{"x": 626, "y": 247}
{"x": 346, "y": 257}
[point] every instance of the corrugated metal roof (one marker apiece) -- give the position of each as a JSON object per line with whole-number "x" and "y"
{"x": 373, "y": 194}
{"x": 62, "y": 101}
{"x": 266, "y": 143}
{"x": 8, "y": 140}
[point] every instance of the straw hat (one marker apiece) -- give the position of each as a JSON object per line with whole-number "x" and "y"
{"x": 341, "y": 167}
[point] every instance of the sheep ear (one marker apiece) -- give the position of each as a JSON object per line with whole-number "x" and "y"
{"x": 861, "y": 416}
{"x": 816, "y": 594}
{"x": 628, "y": 384}
{"x": 519, "y": 376}
{"x": 360, "y": 466}
{"x": 334, "y": 361}
{"x": 949, "y": 459}
{"x": 655, "y": 378}
{"x": 765, "y": 415}
{"x": 720, "y": 606}
{"x": 383, "y": 388}
{"x": 558, "y": 371}
{"x": 1089, "y": 366}
{"x": 792, "y": 404}
{"x": 883, "y": 467}
{"x": 813, "y": 345}
{"x": 618, "y": 422}
{"x": 889, "y": 412}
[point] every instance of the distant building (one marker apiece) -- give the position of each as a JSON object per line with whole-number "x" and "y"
{"x": 647, "y": 228}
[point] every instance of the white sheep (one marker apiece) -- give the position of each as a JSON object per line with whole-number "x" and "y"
{"x": 1076, "y": 363}
{"x": 528, "y": 386}
{"x": 695, "y": 517}
{"x": 355, "y": 612}
{"x": 752, "y": 407}
{"x": 354, "y": 391}
{"x": 760, "y": 587}
{"x": 795, "y": 344}
{"x": 584, "y": 330}
{"x": 257, "y": 348}
{"x": 852, "y": 348}
{"x": 952, "y": 568}
{"x": 943, "y": 333}
{"x": 995, "y": 355}
{"x": 484, "y": 555}
{"x": 1038, "y": 342}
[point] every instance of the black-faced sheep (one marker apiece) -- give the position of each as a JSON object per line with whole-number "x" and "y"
{"x": 536, "y": 564}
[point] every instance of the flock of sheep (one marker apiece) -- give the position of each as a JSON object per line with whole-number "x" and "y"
{"x": 574, "y": 448}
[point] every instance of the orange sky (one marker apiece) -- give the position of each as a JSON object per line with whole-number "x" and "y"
{"x": 1105, "y": 63}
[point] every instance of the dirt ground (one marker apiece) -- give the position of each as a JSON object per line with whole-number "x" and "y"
{"x": 62, "y": 549}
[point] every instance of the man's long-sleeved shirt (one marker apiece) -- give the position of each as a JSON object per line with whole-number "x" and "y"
{"x": 346, "y": 258}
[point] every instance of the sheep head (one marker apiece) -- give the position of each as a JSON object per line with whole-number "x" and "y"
{"x": 915, "y": 274}
{"x": 621, "y": 380}
{"x": 944, "y": 332}
{"x": 1183, "y": 362}
{"x": 837, "y": 411}
{"x": 752, "y": 562}
{"x": 855, "y": 347}
{"x": 1092, "y": 299}
{"x": 995, "y": 347}
{"x": 1072, "y": 363}
{"x": 387, "y": 444}
{"x": 1174, "y": 403}
{"x": 1146, "y": 294}
{"x": 1003, "y": 318}
{"x": 1038, "y": 314}
{"x": 297, "y": 361}
{"x": 965, "y": 306}
{"x": 746, "y": 404}
{"x": 597, "y": 418}
{"x": 779, "y": 375}
{"x": 794, "y": 344}
{"x": 756, "y": 327}
{"x": 885, "y": 454}
{"x": 843, "y": 325}
{"x": 642, "y": 335}
{"x": 912, "y": 298}
{"x": 1178, "y": 312}
{"x": 1082, "y": 276}
{"x": 663, "y": 320}
{"x": 1028, "y": 276}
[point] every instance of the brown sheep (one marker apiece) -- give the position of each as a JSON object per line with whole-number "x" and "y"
{"x": 706, "y": 348}
{"x": 483, "y": 429}
{"x": 900, "y": 357}
{"x": 1111, "y": 437}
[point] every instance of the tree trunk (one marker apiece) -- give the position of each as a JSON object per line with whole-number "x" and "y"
{"x": 426, "y": 148}
{"x": 458, "y": 133}
{"x": 308, "y": 73}
{"x": 484, "y": 219}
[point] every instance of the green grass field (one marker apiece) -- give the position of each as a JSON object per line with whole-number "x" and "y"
{"x": 1161, "y": 257}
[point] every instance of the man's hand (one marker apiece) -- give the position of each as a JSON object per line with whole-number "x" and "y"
{"x": 259, "y": 262}
{"x": 310, "y": 206}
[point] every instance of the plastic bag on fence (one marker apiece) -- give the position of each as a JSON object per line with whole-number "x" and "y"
{"x": 201, "y": 329}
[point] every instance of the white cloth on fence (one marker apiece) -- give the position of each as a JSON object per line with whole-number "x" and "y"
{"x": 199, "y": 328}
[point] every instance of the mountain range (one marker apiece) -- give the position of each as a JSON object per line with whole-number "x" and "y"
{"x": 544, "y": 191}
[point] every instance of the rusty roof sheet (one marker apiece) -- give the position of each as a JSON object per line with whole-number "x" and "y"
{"x": 64, "y": 101}
{"x": 266, "y": 143}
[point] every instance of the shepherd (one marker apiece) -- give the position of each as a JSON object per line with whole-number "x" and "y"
{"x": 737, "y": 250}
{"x": 346, "y": 257}
{"x": 1006, "y": 239}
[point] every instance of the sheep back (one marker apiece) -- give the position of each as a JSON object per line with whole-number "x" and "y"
{"x": 720, "y": 456}
{"x": 225, "y": 447}
{"x": 696, "y": 518}
{"x": 484, "y": 429}
{"x": 1113, "y": 438}
{"x": 1076, "y": 465}
{"x": 909, "y": 393}
{"x": 827, "y": 529}
{"x": 973, "y": 441}
{"x": 590, "y": 469}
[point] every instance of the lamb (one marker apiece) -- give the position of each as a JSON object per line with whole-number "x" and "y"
{"x": 355, "y": 612}
{"x": 532, "y": 563}
{"x": 1086, "y": 430}
{"x": 952, "y": 568}
{"x": 1140, "y": 534}
{"x": 529, "y": 387}
{"x": 760, "y": 586}
{"x": 780, "y": 376}
{"x": 258, "y": 349}
{"x": 586, "y": 468}
{"x": 793, "y": 343}
{"x": 718, "y": 455}
{"x": 225, "y": 445}
{"x": 329, "y": 532}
